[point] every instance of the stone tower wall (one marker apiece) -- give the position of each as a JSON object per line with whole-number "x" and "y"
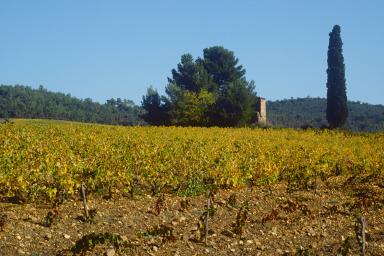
{"x": 262, "y": 115}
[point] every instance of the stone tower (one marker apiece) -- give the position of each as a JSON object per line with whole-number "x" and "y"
{"x": 262, "y": 111}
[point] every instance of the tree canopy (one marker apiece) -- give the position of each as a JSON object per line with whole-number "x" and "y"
{"x": 208, "y": 91}
{"x": 337, "y": 110}
{"x": 24, "y": 102}
{"x": 222, "y": 65}
{"x": 309, "y": 112}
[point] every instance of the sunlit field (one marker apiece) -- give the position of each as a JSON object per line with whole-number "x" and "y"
{"x": 39, "y": 158}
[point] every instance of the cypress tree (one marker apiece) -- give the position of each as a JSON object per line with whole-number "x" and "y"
{"x": 337, "y": 110}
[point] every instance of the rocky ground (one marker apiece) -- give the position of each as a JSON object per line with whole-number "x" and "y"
{"x": 249, "y": 221}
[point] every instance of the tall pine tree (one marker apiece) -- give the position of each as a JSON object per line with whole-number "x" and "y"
{"x": 337, "y": 110}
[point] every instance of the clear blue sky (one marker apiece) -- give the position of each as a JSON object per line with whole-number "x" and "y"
{"x": 104, "y": 49}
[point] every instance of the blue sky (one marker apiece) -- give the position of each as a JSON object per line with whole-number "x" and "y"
{"x": 104, "y": 49}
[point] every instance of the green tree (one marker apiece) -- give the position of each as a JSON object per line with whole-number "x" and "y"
{"x": 189, "y": 93}
{"x": 236, "y": 98}
{"x": 188, "y": 108}
{"x": 222, "y": 65}
{"x": 191, "y": 75}
{"x": 236, "y": 105}
{"x": 207, "y": 91}
{"x": 337, "y": 110}
{"x": 155, "y": 111}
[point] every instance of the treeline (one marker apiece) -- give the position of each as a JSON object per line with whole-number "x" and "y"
{"x": 207, "y": 91}
{"x": 309, "y": 112}
{"x": 24, "y": 102}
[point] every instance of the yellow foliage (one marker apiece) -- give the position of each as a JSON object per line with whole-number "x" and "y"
{"x": 42, "y": 157}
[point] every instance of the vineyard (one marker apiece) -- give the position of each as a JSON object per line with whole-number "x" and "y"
{"x": 39, "y": 158}
{"x": 43, "y": 160}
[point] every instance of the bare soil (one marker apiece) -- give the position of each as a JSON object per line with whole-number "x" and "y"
{"x": 322, "y": 221}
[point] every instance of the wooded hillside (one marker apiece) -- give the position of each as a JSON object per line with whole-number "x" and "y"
{"x": 311, "y": 111}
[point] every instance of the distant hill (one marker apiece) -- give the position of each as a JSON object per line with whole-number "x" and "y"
{"x": 24, "y": 102}
{"x": 311, "y": 111}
